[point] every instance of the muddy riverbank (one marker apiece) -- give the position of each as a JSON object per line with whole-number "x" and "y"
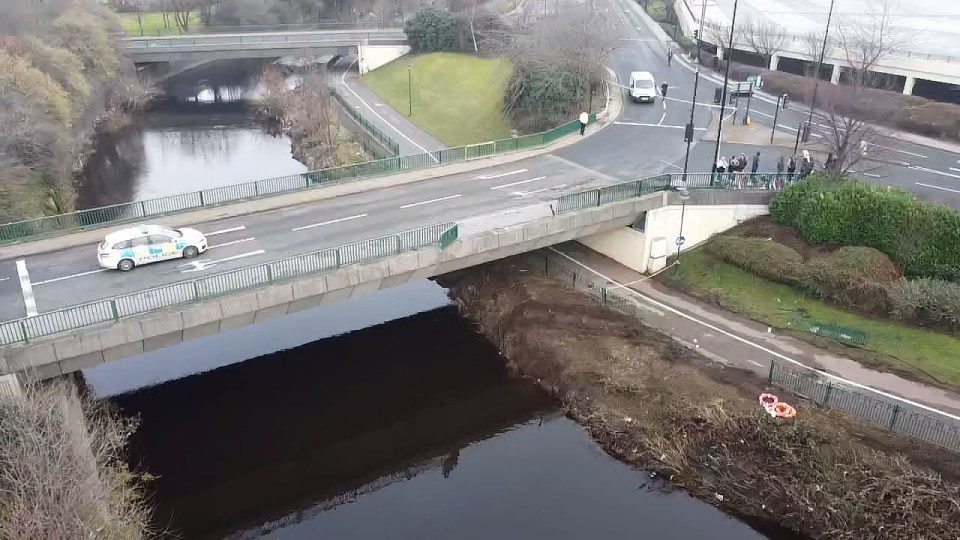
{"x": 656, "y": 405}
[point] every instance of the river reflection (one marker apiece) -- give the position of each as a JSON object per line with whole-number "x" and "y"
{"x": 408, "y": 429}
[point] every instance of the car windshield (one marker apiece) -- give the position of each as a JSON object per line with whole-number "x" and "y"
{"x": 643, "y": 83}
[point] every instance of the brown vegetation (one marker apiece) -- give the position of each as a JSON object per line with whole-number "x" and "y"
{"x": 62, "y": 473}
{"x": 661, "y": 407}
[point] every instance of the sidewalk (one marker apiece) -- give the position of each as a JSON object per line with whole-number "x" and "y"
{"x": 755, "y": 134}
{"x": 411, "y": 138}
{"x": 734, "y": 340}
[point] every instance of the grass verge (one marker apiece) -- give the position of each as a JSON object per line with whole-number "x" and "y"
{"x": 457, "y": 98}
{"x": 153, "y": 24}
{"x": 916, "y": 353}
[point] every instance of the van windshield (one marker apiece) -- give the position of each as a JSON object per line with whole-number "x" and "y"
{"x": 643, "y": 83}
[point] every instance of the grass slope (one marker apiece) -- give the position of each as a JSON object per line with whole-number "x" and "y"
{"x": 153, "y": 24}
{"x": 457, "y": 98}
{"x": 919, "y": 354}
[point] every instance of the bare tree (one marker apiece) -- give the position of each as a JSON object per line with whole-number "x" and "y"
{"x": 848, "y": 130}
{"x": 867, "y": 40}
{"x": 764, "y": 37}
{"x": 717, "y": 34}
{"x": 811, "y": 45}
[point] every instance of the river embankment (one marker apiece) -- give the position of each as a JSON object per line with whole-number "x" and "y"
{"x": 662, "y": 407}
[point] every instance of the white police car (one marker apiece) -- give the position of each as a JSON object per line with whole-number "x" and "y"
{"x": 148, "y": 243}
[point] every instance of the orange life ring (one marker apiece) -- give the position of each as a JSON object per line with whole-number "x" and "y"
{"x": 783, "y": 410}
{"x": 768, "y": 400}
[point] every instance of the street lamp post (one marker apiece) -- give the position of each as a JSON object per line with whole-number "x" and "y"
{"x": 684, "y": 197}
{"x": 823, "y": 51}
{"x": 688, "y": 132}
{"x": 409, "y": 90}
{"x": 726, "y": 81}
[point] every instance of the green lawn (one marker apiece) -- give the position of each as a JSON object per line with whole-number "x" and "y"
{"x": 153, "y": 24}
{"x": 919, "y": 354}
{"x": 457, "y": 98}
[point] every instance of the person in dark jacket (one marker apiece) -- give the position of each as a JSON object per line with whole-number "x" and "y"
{"x": 756, "y": 163}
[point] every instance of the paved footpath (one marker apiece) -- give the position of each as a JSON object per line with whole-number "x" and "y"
{"x": 731, "y": 339}
{"x": 411, "y": 138}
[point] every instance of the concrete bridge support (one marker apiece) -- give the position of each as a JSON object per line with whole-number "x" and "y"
{"x": 370, "y": 57}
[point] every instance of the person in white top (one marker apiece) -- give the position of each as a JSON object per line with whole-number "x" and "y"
{"x": 584, "y": 120}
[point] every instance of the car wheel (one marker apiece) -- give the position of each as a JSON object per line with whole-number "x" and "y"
{"x": 190, "y": 252}
{"x": 125, "y": 265}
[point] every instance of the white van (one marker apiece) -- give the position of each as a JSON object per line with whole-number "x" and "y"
{"x": 642, "y": 86}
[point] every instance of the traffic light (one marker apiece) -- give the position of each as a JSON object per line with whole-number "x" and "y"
{"x": 696, "y": 34}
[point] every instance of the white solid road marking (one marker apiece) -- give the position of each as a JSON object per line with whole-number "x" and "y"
{"x": 28, "y": 300}
{"x": 518, "y": 183}
{"x": 203, "y": 265}
{"x": 954, "y": 169}
{"x": 70, "y": 277}
{"x": 224, "y": 231}
{"x": 331, "y": 222}
{"x": 938, "y": 187}
{"x": 491, "y": 177}
{"x": 447, "y": 198}
{"x": 901, "y": 151}
{"x": 756, "y": 345}
{"x": 758, "y": 364}
{"x": 656, "y": 125}
{"x": 225, "y": 244}
{"x": 671, "y": 165}
{"x": 933, "y": 171}
{"x": 871, "y": 175}
{"x": 523, "y": 194}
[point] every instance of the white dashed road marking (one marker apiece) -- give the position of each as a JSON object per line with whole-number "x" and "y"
{"x": 224, "y": 231}
{"x": 447, "y": 198}
{"x": 519, "y": 183}
{"x": 232, "y": 242}
{"x": 491, "y": 177}
{"x": 938, "y": 187}
{"x": 331, "y": 222}
{"x": 203, "y": 265}
{"x": 29, "y": 301}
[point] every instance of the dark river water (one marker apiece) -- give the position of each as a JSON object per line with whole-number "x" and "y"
{"x": 382, "y": 417}
{"x": 385, "y": 416}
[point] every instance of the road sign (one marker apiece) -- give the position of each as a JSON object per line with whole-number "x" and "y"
{"x": 681, "y": 240}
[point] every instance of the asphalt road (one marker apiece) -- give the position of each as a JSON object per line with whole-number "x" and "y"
{"x": 71, "y": 276}
{"x": 646, "y": 139}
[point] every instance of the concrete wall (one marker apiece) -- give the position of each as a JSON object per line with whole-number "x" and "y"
{"x": 648, "y": 251}
{"x": 56, "y": 355}
{"x": 373, "y": 56}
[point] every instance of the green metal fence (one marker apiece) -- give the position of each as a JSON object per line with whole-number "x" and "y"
{"x": 384, "y": 140}
{"x": 661, "y": 182}
{"x": 895, "y": 415}
{"x": 33, "y": 229}
{"x": 196, "y": 290}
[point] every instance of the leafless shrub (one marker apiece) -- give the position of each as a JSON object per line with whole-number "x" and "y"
{"x": 61, "y": 469}
{"x": 306, "y": 113}
{"x": 764, "y": 37}
{"x": 865, "y": 41}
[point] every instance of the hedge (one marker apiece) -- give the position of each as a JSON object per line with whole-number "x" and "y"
{"x": 922, "y": 238}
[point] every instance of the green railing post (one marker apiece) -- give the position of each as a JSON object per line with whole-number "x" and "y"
{"x": 269, "y": 273}
{"x": 337, "y": 257}
{"x": 770, "y": 373}
{"x": 23, "y": 328}
{"x": 603, "y": 295}
{"x": 143, "y": 209}
{"x": 113, "y": 310}
{"x": 196, "y": 291}
{"x": 201, "y": 197}
{"x": 826, "y": 396}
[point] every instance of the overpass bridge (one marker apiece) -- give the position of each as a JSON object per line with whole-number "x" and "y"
{"x": 374, "y": 47}
{"x": 192, "y": 303}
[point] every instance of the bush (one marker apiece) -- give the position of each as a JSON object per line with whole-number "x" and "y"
{"x": 433, "y": 31}
{"x": 920, "y": 237}
{"x": 933, "y": 300}
{"x": 765, "y": 258}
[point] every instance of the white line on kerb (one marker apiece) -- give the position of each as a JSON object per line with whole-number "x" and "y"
{"x": 28, "y": 300}
{"x": 656, "y": 125}
{"x": 491, "y": 177}
{"x": 447, "y": 198}
{"x": 331, "y": 222}
{"x": 81, "y": 274}
{"x": 518, "y": 183}
{"x": 758, "y": 346}
{"x": 938, "y": 187}
{"x": 225, "y": 244}
{"x": 224, "y": 231}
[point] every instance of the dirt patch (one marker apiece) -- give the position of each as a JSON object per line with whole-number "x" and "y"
{"x": 659, "y": 406}
{"x": 765, "y": 227}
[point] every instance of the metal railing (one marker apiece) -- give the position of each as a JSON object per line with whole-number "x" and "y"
{"x": 298, "y": 38}
{"x": 651, "y": 184}
{"x": 379, "y": 136}
{"x": 895, "y": 415}
{"x": 204, "y": 288}
{"x": 199, "y": 29}
{"x": 37, "y": 228}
